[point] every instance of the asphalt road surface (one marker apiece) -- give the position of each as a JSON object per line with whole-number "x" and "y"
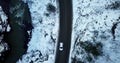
{"x": 65, "y": 31}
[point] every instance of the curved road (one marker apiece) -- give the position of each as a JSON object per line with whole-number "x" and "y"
{"x": 65, "y": 31}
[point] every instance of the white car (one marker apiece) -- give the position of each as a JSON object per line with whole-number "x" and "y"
{"x": 61, "y": 46}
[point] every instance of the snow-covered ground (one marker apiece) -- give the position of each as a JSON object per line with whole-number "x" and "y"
{"x": 4, "y": 27}
{"x": 96, "y": 31}
{"x": 45, "y": 20}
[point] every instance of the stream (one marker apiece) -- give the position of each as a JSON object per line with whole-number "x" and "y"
{"x": 20, "y": 21}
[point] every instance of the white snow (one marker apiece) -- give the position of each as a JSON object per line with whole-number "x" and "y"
{"x": 3, "y": 25}
{"x": 2, "y": 15}
{"x": 8, "y": 28}
{"x": 90, "y": 16}
{"x": 1, "y": 48}
{"x": 41, "y": 48}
